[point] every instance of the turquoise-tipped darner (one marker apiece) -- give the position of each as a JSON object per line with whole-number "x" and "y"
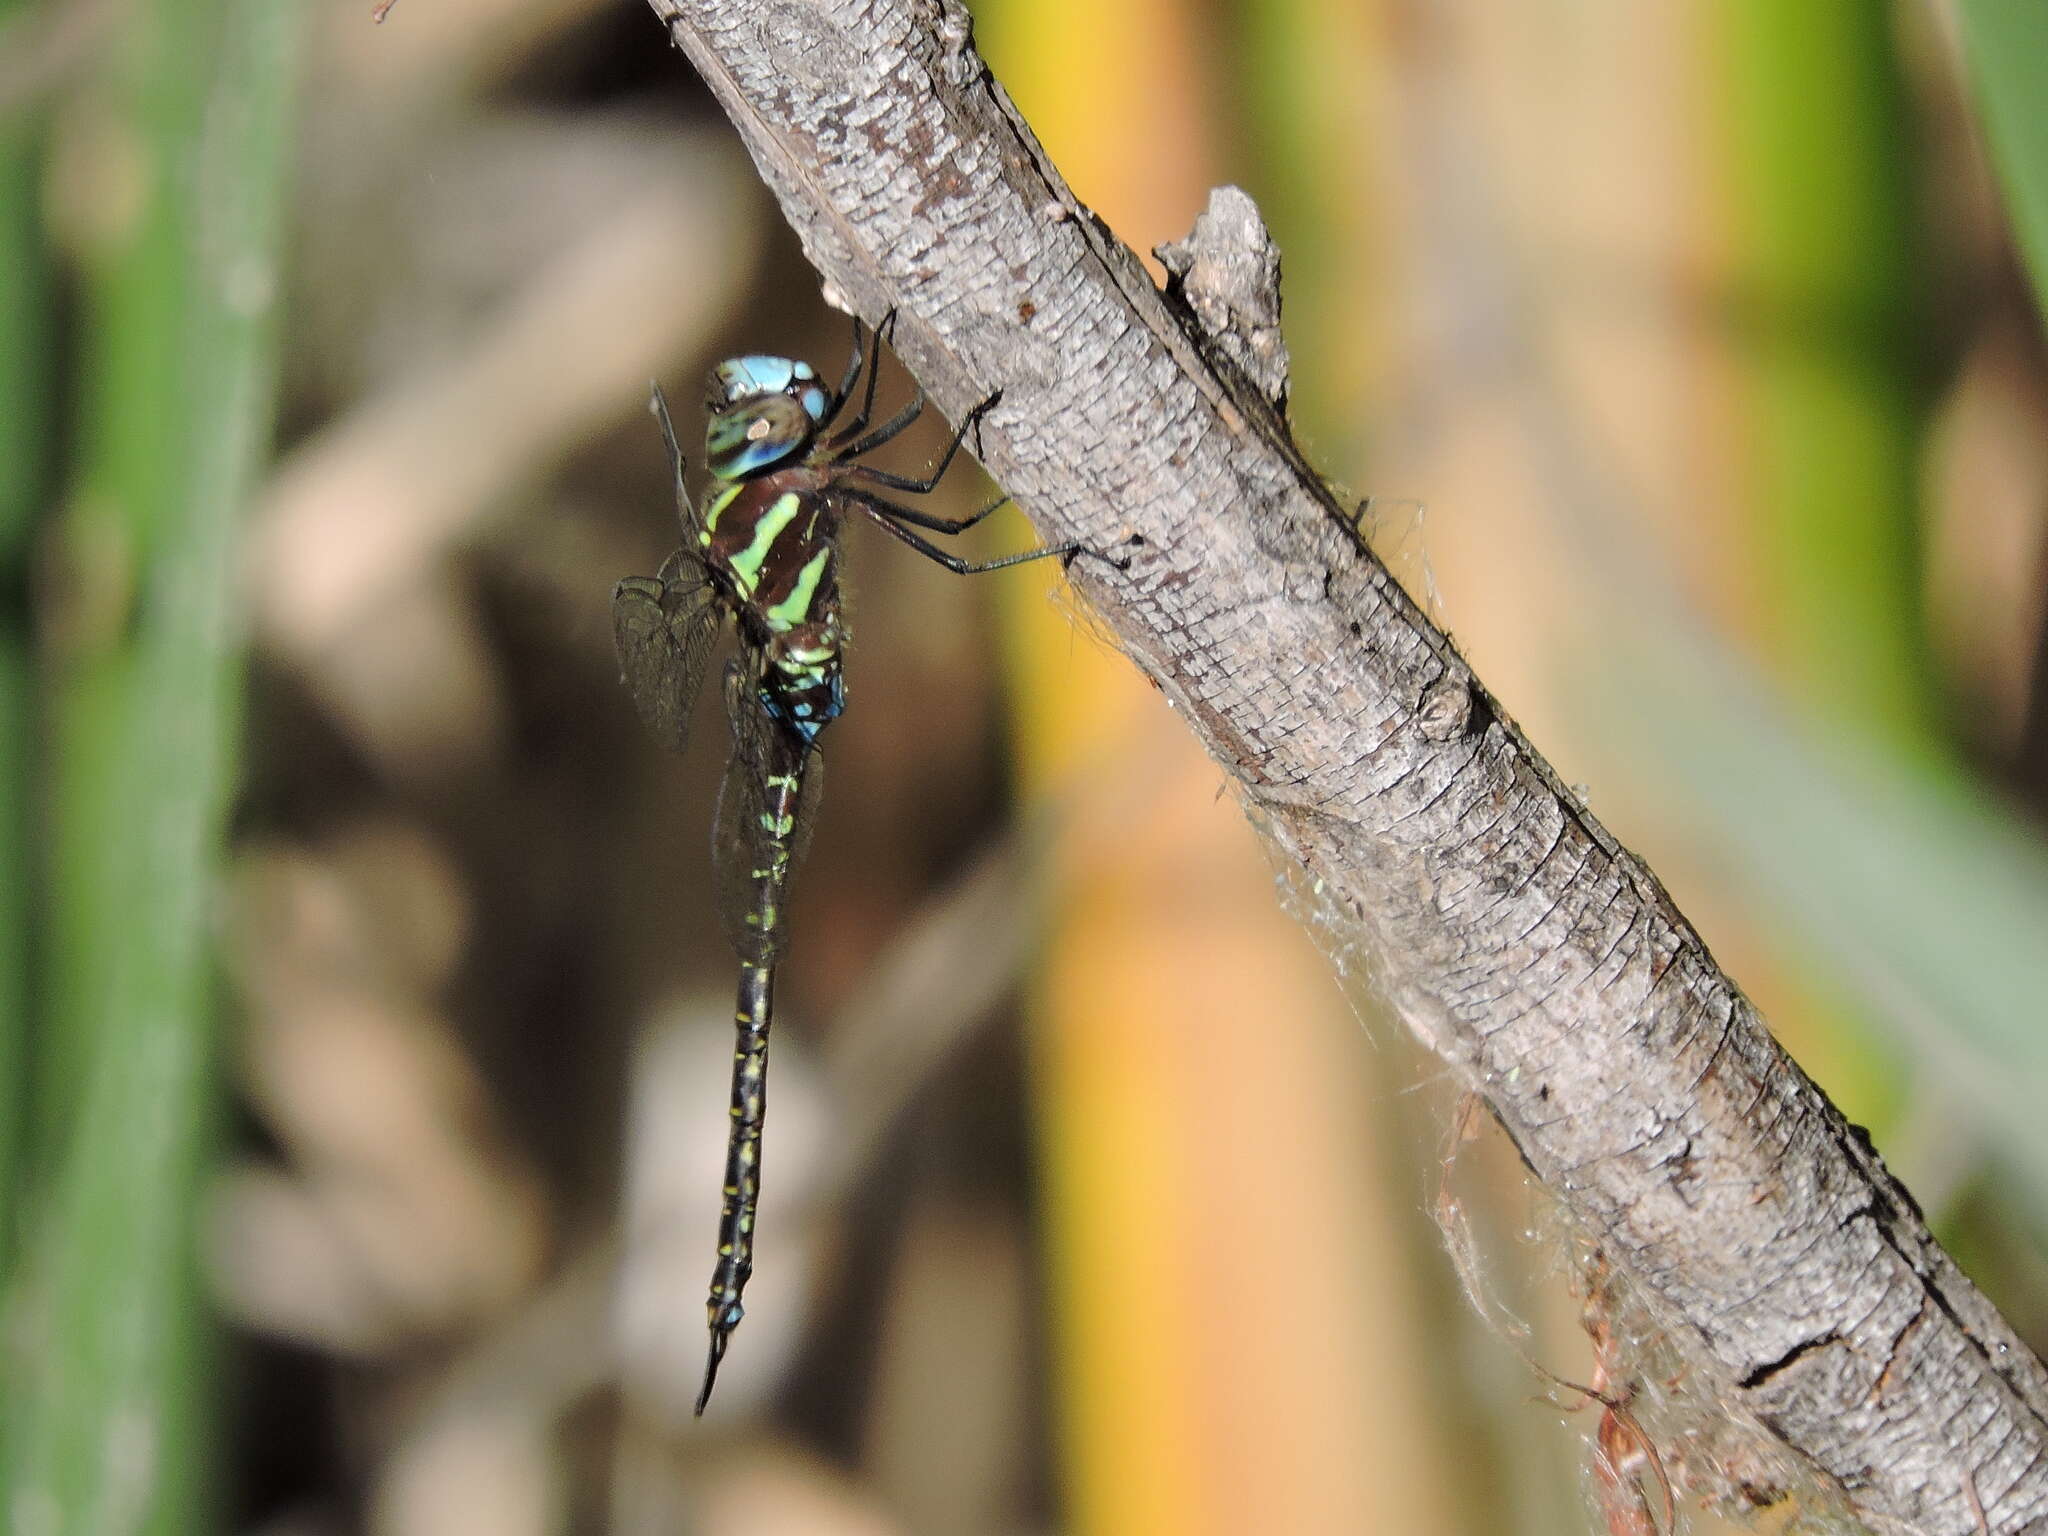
{"x": 764, "y": 554}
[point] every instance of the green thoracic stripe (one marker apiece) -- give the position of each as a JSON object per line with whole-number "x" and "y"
{"x": 746, "y": 565}
{"x": 796, "y": 608}
{"x": 717, "y": 505}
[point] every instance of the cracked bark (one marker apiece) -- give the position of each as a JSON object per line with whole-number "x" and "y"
{"x": 1517, "y": 939}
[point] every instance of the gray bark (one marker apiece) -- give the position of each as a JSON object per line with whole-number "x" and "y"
{"x": 1520, "y": 942}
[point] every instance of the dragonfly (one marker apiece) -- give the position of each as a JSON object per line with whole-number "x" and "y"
{"x": 761, "y": 559}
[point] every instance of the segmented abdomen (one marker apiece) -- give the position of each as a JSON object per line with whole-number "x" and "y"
{"x": 753, "y": 1017}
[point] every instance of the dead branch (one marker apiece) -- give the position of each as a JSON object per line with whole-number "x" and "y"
{"x": 1517, "y": 939}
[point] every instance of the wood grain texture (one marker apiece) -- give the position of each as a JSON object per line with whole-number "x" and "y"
{"x": 1518, "y": 940}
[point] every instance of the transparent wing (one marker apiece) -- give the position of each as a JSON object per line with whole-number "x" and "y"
{"x": 765, "y": 809}
{"x": 664, "y": 627}
{"x": 686, "y": 510}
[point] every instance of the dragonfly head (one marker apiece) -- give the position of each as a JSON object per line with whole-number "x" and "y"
{"x": 764, "y": 411}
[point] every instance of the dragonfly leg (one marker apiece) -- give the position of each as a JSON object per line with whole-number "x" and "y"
{"x": 892, "y": 517}
{"x": 893, "y": 427}
{"x": 885, "y": 514}
{"x": 872, "y": 340}
{"x": 917, "y": 519}
{"x": 968, "y": 423}
{"x": 852, "y": 375}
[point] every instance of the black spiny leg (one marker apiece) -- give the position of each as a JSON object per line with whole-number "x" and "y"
{"x": 885, "y": 514}
{"x": 928, "y": 520}
{"x": 891, "y": 428}
{"x": 893, "y": 516}
{"x": 854, "y": 427}
{"x": 931, "y": 480}
{"x": 852, "y": 375}
{"x": 872, "y": 340}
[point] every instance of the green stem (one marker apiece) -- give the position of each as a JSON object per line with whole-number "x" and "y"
{"x": 25, "y": 388}
{"x": 107, "y": 1423}
{"x": 2006, "y": 42}
{"x": 1829, "y": 356}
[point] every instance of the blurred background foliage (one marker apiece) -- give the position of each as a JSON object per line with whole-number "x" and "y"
{"x": 363, "y": 1022}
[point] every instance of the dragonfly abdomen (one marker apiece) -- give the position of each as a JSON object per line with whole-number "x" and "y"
{"x": 804, "y": 687}
{"x": 752, "y": 1018}
{"x": 773, "y": 842}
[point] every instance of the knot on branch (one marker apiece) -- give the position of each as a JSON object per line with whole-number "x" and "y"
{"x": 1226, "y": 274}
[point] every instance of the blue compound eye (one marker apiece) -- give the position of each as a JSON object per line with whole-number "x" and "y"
{"x": 739, "y": 379}
{"x": 748, "y": 378}
{"x": 755, "y": 435}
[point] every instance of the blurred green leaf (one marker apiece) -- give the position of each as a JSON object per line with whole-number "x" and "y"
{"x": 26, "y": 386}
{"x": 1307, "y": 78}
{"x": 1825, "y": 347}
{"x": 1928, "y": 898}
{"x": 107, "y": 1418}
{"x": 1828, "y": 339}
{"x": 2006, "y": 42}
